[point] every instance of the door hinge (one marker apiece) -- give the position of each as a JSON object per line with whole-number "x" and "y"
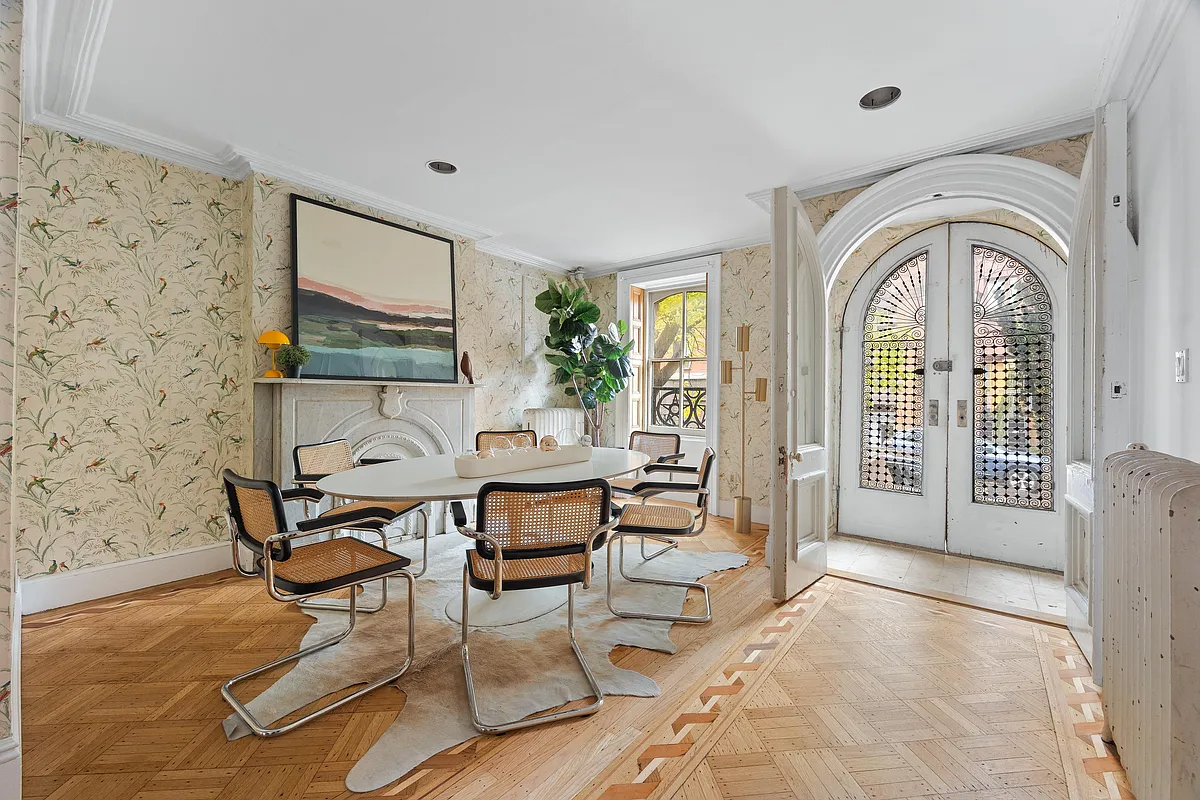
{"x": 1116, "y": 201}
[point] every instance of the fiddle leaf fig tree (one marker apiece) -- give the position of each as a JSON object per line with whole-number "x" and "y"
{"x": 593, "y": 365}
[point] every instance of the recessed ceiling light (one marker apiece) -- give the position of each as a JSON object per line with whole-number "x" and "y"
{"x": 442, "y": 167}
{"x": 879, "y": 98}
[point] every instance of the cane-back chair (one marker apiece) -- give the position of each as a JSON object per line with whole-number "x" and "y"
{"x": 486, "y": 440}
{"x": 294, "y": 571}
{"x": 663, "y": 523}
{"x": 663, "y": 448}
{"x": 315, "y": 461}
{"x": 531, "y": 536}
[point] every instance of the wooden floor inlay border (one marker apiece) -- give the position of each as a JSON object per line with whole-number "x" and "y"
{"x": 1093, "y": 765}
{"x": 727, "y": 683}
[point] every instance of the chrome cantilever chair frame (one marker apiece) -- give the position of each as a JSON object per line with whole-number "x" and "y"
{"x": 497, "y": 590}
{"x": 643, "y": 442}
{"x": 268, "y": 575}
{"x": 688, "y": 528}
{"x": 684, "y": 488}
{"x": 617, "y": 540}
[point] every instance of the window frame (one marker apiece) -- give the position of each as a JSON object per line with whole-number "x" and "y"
{"x": 650, "y": 299}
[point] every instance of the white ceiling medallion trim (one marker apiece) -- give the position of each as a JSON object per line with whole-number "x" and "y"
{"x": 501, "y": 250}
{"x": 1042, "y": 192}
{"x": 713, "y": 248}
{"x": 1144, "y": 31}
{"x": 1005, "y": 141}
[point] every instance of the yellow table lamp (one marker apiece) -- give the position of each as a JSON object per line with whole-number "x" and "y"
{"x": 272, "y": 340}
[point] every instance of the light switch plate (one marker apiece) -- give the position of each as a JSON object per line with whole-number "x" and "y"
{"x": 1181, "y": 366}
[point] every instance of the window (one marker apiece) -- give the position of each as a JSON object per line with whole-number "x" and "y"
{"x": 677, "y": 379}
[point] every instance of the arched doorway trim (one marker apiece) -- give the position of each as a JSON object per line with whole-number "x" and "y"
{"x": 1041, "y": 192}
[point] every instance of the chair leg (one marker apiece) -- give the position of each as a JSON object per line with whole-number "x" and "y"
{"x": 424, "y": 512}
{"x": 540, "y": 719}
{"x": 618, "y": 540}
{"x": 261, "y": 730}
{"x": 671, "y": 545}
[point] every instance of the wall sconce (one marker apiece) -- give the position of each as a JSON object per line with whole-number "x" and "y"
{"x": 273, "y": 340}
{"x": 741, "y": 503}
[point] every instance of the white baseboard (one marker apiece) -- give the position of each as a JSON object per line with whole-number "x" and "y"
{"x": 67, "y": 588}
{"x": 759, "y": 514}
{"x": 10, "y": 769}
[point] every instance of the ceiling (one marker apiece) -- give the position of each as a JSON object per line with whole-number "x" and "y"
{"x": 586, "y": 134}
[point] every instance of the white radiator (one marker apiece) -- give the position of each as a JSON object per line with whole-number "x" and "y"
{"x": 552, "y": 421}
{"x": 1151, "y": 647}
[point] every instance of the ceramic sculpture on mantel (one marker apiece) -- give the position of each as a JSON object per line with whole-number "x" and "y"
{"x": 464, "y": 366}
{"x": 593, "y": 366}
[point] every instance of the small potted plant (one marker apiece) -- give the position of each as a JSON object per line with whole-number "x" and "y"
{"x": 292, "y": 357}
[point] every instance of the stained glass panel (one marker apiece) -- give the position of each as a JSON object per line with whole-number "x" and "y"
{"x": 893, "y": 393}
{"x": 1013, "y": 375}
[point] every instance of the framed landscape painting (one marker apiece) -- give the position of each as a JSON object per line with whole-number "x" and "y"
{"x": 372, "y": 300}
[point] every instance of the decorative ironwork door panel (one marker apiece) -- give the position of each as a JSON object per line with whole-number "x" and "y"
{"x": 893, "y": 383}
{"x": 1004, "y": 473}
{"x": 1013, "y": 383}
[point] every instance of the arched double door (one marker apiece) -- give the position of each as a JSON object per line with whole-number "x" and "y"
{"x": 950, "y": 380}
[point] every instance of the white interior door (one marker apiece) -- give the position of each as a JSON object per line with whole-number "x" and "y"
{"x": 800, "y": 480}
{"x": 893, "y": 465}
{"x": 949, "y": 436}
{"x": 1005, "y": 441}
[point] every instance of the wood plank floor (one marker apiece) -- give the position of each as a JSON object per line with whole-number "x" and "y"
{"x": 121, "y": 701}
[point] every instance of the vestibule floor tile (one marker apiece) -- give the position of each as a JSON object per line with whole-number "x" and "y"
{"x": 995, "y": 585}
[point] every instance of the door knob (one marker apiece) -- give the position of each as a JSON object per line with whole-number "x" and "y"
{"x": 797, "y": 456}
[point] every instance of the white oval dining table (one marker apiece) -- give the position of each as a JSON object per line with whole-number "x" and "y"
{"x": 433, "y": 478}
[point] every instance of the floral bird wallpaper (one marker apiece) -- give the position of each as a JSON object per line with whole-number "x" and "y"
{"x": 497, "y": 322}
{"x": 10, "y": 150}
{"x": 131, "y": 375}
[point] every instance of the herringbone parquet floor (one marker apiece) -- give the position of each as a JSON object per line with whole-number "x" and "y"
{"x": 883, "y": 696}
{"x": 851, "y": 691}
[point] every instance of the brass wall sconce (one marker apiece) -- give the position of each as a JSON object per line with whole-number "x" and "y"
{"x": 741, "y": 503}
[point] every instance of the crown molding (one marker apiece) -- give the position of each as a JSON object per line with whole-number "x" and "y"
{"x": 995, "y": 143}
{"x": 500, "y": 250}
{"x": 712, "y": 248}
{"x": 1140, "y": 40}
{"x": 343, "y": 190}
{"x": 226, "y": 164}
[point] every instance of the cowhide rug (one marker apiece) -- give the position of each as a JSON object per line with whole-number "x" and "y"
{"x": 519, "y": 669}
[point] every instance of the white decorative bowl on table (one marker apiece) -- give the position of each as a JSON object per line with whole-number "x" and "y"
{"x": 472, "y": 465}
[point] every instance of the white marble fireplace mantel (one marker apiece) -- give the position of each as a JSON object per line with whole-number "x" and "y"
{"x": 380, "y": 419}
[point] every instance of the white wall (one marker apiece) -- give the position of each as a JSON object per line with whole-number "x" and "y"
{"x": 1165, "y": 185}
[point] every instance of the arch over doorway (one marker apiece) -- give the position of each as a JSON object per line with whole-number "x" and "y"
{"x": 1042, "y": 192}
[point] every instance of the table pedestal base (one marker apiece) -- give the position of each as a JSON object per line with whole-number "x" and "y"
{"x": 511, "y": 608}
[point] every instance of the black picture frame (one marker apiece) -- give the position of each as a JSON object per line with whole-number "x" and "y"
{"x": 294, "y": 200}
